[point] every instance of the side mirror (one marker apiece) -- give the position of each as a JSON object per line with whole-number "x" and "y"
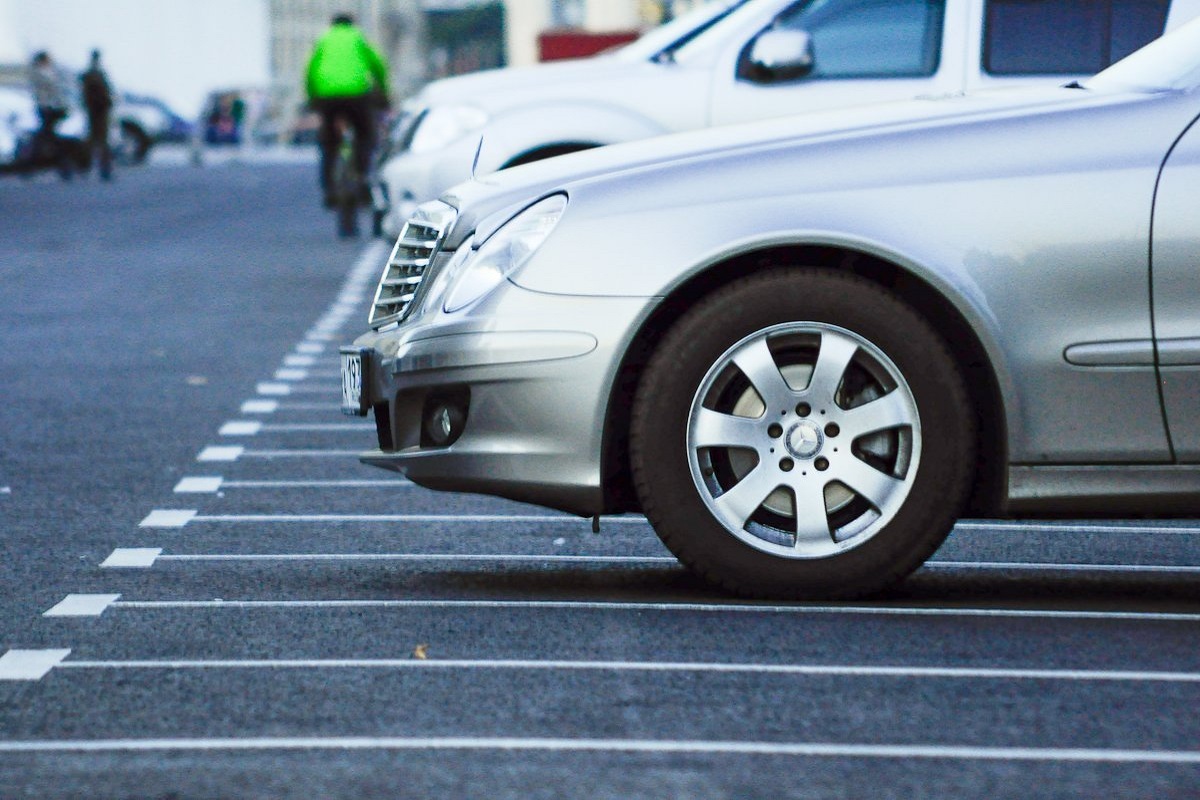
{"x": 783, "y": 55}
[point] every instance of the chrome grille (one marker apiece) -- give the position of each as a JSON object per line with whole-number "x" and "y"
{"x": 406, "y": 268}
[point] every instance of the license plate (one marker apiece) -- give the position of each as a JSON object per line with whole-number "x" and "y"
{"x": 353, "y": 402}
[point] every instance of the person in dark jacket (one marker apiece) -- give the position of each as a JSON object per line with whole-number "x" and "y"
{"x": 345, "y": 82}
{"x": 98, "y": 99}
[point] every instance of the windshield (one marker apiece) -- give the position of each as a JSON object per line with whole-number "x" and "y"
{"x": 1171, "y": 63}
{"x": 666, "y": 38}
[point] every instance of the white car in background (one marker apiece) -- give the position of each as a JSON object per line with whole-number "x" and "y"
{"x": 742, "y": 60}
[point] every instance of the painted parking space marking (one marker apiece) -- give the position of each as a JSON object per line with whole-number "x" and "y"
{"x": 147, "y": 557}
{"x": 299, "y": 361}
{"x": 221, "y": 453}
{"x": 93, "y": 607}
{"x": 1070, "y": 527}
{"x": 137, "y": 557}
{"x": 132, "y": 558}
{"x": 310, "y": 348}
{"x": 240, "y": 428}
{"x": 695, "y": 746}
{"x": 260, "y": 406}
{"x": 29, "y": 665}
{"x": 168, "y": 518}
{"x": 82, "y": 605}
{"x": 209, "y": 484}
{"x": 425, "y": 518}
{"x": 290, "y": 374}
{"x": 214, "y": 484}
{"x": 531, "y": 665}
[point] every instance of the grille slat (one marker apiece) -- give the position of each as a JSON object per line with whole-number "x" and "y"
{"x": 406, "y": 268}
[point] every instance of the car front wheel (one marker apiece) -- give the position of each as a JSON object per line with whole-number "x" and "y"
{"x": 802, "y": 433}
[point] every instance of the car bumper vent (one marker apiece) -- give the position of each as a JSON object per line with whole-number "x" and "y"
{"x": 406, "y": 268}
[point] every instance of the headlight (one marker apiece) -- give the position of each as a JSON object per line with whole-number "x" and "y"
{"x": 442, "y": 125}
{"x": 472, "y": 276}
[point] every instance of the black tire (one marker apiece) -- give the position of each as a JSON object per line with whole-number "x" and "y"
{"x": 893, "y": 479}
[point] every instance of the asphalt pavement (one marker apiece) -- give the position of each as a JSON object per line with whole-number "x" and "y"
{"x": 207, "y": 596}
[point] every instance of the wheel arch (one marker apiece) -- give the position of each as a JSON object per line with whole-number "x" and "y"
{"x": 987, "y": 497}
{"x": 544, "y": 151}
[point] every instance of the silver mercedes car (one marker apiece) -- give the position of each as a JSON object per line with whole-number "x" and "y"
{"x": 804, "y": 348}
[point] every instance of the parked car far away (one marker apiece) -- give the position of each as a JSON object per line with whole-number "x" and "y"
{"x": 805, "y": 347}
{"x": 741, "y": 60}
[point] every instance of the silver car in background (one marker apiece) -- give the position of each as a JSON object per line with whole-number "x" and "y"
{"x": 804, "y": 348}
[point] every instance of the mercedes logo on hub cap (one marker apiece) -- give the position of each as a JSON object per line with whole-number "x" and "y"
{"x": 805, "y": 439}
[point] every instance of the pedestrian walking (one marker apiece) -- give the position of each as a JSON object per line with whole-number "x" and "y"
{"x": 52, "y": 98}
{"x": 346, "y": 83}
{"x": 98, "y": 100}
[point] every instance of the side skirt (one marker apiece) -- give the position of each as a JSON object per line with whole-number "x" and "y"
{"x": 1081, "y": 491}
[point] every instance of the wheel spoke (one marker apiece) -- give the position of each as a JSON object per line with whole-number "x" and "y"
{"x": 758, "y": 365}
{"x": 812, "y": 520}
{"x": 893, "y": 410}
{"x": 877, "y": 487}
{"x": 832, "y": 361}
{"x": 738, "y": 504}
{"x": 714, "y": 429}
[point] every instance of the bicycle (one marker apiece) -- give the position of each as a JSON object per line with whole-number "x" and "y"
{"x": 345, "y": 189}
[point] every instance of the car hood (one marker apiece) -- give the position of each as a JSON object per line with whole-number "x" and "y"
{"x": 786, "y": 137}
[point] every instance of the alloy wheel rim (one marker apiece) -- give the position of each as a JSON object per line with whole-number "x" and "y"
{"x": 803, "y": 440}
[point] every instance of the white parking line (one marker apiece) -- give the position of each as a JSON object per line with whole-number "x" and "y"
{"x": 274, "y": 389}
{"x": 1069, "y": 527}
{"x": 221, "y": 453}
{"x": 199, "y": 485}
{"x": 801, "y": 670}
{"x": 136, "y": 557}
{"x": 290, "y": 374}
{"x": 168, "y": 518}
{"x": 697, "y": 747}
{"x": 86, "y": 605}
{"x": 236, "y": 452}
{"x": 310, "y": 348}
{"x": 240, "y": 428}
{"x": 29, "y": 665}
{"x": 299, "y": 361}
{"x": 1044, "y": 566}
{"x": 214, "y": 484}
{"x": 429, "y": 518}
{"x": 260, "y": 406}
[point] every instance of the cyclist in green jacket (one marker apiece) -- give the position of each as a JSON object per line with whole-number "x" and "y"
{"x": 346, "y": 81}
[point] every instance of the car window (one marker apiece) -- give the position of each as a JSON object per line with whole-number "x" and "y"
{"x": 1170, "y": 63}
{"x": 869, "y": 38}
{"x": 1067, "y": 37}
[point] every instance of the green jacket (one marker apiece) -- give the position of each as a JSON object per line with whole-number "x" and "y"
{"x": 344, "y": 65}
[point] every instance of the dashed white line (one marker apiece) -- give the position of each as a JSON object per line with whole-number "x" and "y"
{"x": 696, "y": 746}
{"x": 199, "y": 485}
{"x": 289, "y": 374}
{"x": 132, "y": 558}
{"x": 96, "y": 606}
{"x": 29, "y": 665}
{"x": 274, "y": 389}
{"x": 221, "y": 453}
{"x": 240, "y": 428}
{"x": 801, "y": 670}
{"x": 260, "y": 406}
{"x": 82, "y": 605}
{"x": 168, "y": 518}
{"x": 214, "y": 484}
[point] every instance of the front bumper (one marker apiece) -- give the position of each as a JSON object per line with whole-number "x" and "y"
{"x": 527, "y": 390}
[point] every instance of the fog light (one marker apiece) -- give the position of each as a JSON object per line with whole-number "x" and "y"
{"x": 443, "y": 421}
